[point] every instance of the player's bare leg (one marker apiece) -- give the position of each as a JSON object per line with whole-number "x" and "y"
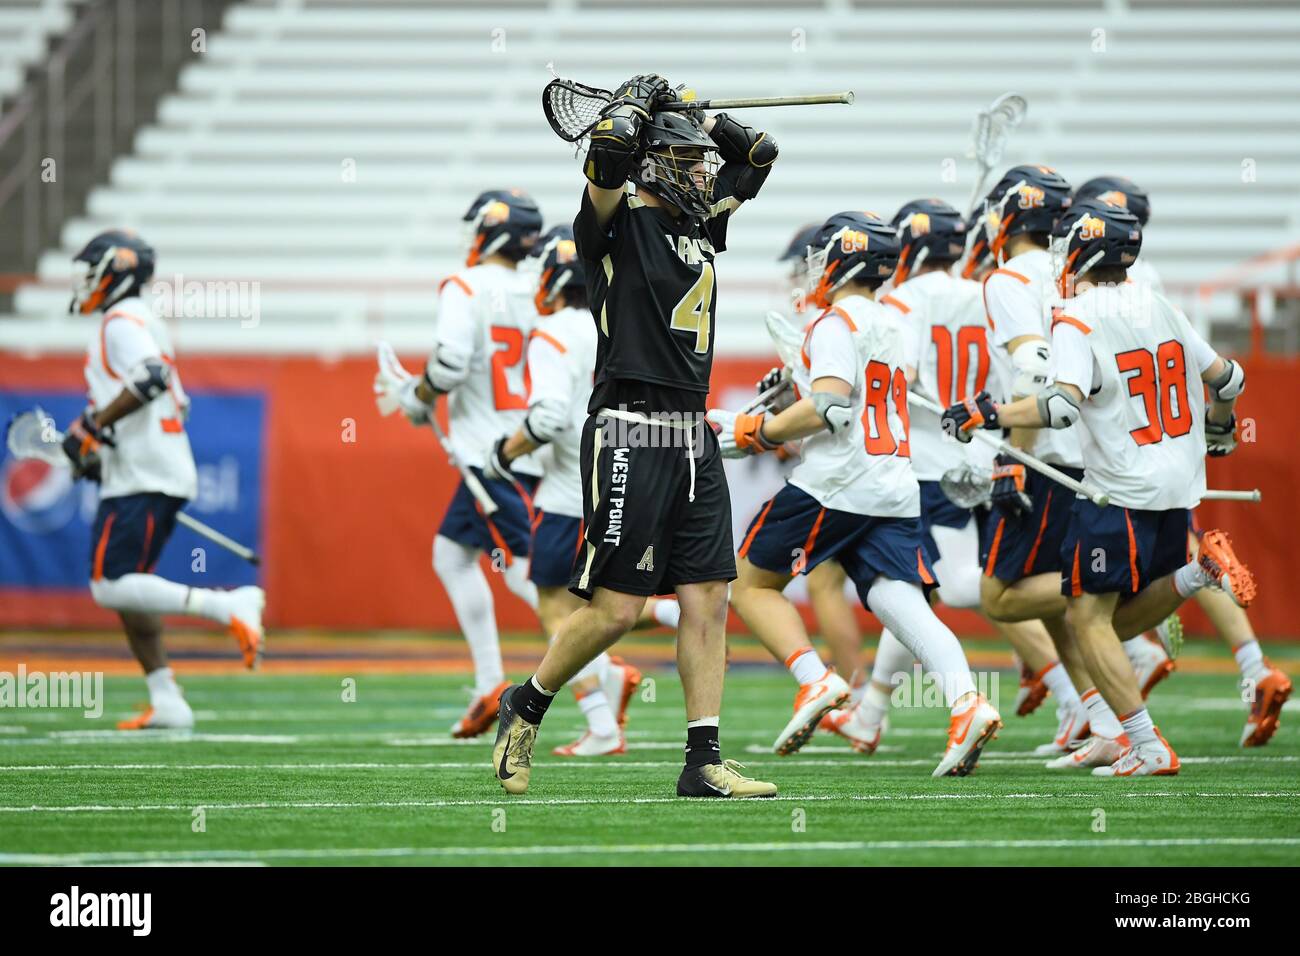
{"x": 1090, "y": 620}
{"x": 1037, "y": 597}
{"x": 835, "y": 617}
{"x": 167, "y": 707}
{"x": 1042, "y": 664}
{"x": 756, "y": 596}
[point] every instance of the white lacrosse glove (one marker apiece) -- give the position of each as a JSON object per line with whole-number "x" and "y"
{"x": 395, "y": 388}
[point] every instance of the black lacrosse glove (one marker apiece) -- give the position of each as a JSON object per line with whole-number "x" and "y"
{"x": 1009, "y": 496}
{"x": 645, "y": 91}
{"x": 81, "y": 443}
{"x": 1220, "y": 439}
{"x": 961, "y": 419}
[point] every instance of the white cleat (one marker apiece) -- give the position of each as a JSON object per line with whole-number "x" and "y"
{"x": 246, "y": 605}
{"x": 1156, "y": 758}
{"x": 811, "y": 703}
{"x": 1151, "y": 663}
{"x": 968, "y": 733}
{"x": 1096, "y": 752}
{"x": 850, "y": 724}
{"x": 1071, "y": 731}
{"x": 591, "y": 745}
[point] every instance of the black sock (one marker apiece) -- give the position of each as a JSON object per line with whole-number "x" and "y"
{"x": 530, "y": 703}
{"x": 702, "y": 747}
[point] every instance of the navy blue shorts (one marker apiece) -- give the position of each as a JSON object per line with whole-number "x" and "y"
{"x": 556, "y": 541}
{"x": 1011, "y": 549}
{"x": 938, "y": 509}
{"x": 510, "y": 529}
{"x": 1115, "y": 549}
{"x": 793, "y": 533}
{"x": 130, "y": 532}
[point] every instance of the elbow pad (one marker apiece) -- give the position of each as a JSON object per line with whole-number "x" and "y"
{"x": 545, "y": 420}
{"x": 1230, "y": 384}
{"x": 836, "y": 410}
{"x": 149, "y": 379}
{"x": 447, "y": 367}
{"x": 1030, "y": 361}
{"x": 738, "y": 143}
{"x": 1057, "y": 407}
{"x": 612, "y": 152}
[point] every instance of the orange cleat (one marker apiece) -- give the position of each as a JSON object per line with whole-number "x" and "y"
{"x": 1271, "y": 694}
{"x": 139, "y": 722}
{"x": 968, "y": 733}
{"x": 811, "y": 703}
{"x": 1032, "y": 691}
{"x": 1151, "y": 662}
{"x": 623, "y": 686}
{"x": 1156, "y": 759}
{"x": 1220, "y": 562}
{"x": 482, "y": 713}
{"x": 589, "y": 745}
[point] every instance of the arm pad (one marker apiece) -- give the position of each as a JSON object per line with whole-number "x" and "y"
{"x": 1030, "y": 361}
{"x": 1057, "y": 407}
{"x": 738, "y": 143}
{"x": 836, "y": 410}
{"x": 149, "y": 379}
{"x": 612, "y": 152}
{"x": 447, "y": 367}
{"x": 1230, "y": 384}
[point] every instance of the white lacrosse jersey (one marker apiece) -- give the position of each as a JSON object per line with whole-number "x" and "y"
{"x": 864, "y": 469}
{"x": 1018, "y": 300}
{"x": 561, "y": 364}
{"x": 947, "y": 344}
{"x": 1139, "y": 362}
{"x": 152, "y": 452}
{"x": 489, "y": 308}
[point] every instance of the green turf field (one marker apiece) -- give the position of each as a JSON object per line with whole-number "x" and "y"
{"x": 286, "y": 772}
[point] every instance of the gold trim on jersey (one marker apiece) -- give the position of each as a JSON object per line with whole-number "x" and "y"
{"x": 585, "y": 580}
{"x": 729, "y": 204}
{"x": 608, "y": 263}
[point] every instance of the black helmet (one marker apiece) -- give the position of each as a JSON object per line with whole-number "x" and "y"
{"x": 1120, "y": 190}
{"x": 561, "y": 268}
{"x": 501, "y": 222}
{"x": 678, "y": 162}
{"x": 1026, "y": 199}
{"x": 1093, "y": 233}
{"x": 929, "y": 230}
{"x": 113, "y": 264}
{"x": 850, "y": 246}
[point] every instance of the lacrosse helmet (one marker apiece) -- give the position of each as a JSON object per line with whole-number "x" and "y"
{"x": 109, "y": 267}
{"x": 1026, "y": 199}
{"x": 1093, "y": 233}
{"x": 1120, "y": 190}
{"x": 929, "y": 230}
{"x": 560, "y": 268}
{"x": 504, "y": 222}
{"x": 978, "y": 257}
{"x": 678, "y": 162}
{"x": 850, "y": 246}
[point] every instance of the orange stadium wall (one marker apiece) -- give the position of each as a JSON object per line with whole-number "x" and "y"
{"x": 350, "y": 501}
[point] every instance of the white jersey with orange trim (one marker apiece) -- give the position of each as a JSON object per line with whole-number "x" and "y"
{"x": 151, "y": 452}
{"x": 1018, "y": 300}
{"x": 488, "y": 311}
{"x": 561, "y": 363}
{"x": 863, "y": 469}
{"x": 1138, "y": 361}
{"x": 947, "y": 344}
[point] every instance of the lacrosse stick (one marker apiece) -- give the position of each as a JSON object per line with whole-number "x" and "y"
{"x": 1216, "y": 495}
{"x": 390, "y": 378}
{"x": 32, "y": 435}
{"x": 760, "y": 401}
{"x": 967, "y": 487}
{"x": 573, "y": 108}
{"x": 992, "y": 129}
{"x": 1100, "y": 498}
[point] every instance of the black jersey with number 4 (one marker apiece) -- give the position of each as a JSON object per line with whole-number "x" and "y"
{"x": 653, "y": 293}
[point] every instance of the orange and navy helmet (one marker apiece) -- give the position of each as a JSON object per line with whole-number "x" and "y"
{"x": 1119, "y": 190}
{"x": 1026, "y": 199}
{"x": 929, "y": 230}
{"x": 1093, "y": 233}
{"x": 978, "y": 258}
{"x": 113, "y": 265}
{"x": 503, "y": 222}
{"x": 850, "y": 246}
{"x": 561, "y": 268}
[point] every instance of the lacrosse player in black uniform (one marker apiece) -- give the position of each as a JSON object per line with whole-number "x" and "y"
{"x": 657, "y": 511}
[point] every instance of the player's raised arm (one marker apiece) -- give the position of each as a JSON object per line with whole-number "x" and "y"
{"x": 616, "y": 141}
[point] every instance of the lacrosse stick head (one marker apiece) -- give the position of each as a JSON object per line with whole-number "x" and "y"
{"x": 993, "y": 126}
{"x": 573, "y": 108}
{"x": 33, "y": 434}
{"x": 787, "y": 339}
{"x": 966, "y": 486}
{"x": 389, "y": 379}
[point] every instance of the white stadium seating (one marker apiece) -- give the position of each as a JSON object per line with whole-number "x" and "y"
{"x": 25, "y": 29}
{"x": 244, "y": 176}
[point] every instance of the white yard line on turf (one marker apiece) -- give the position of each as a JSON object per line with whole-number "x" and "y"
{"x": 845, "y": 846}
{"x": 582, "y": 801}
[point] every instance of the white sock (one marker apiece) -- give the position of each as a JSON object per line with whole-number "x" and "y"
{"x": 874, "y": 706}
{"x": 1139, "y": 728}
{"x": 667, "y": 612}
{"x": 1190, "y": 578}
{"x": 1101, "y": 718}
{"x": 600, "y": 718}
{"x": 516, "y": 575}
{"x": 702, "y": 722}
{"x": 859, "y": 681}
{"x": 1250, "y": 658}
{"x": 903, "y": 609}
{"x": 1059, "y": 683}
{"x": 806, "y": 666}
{"x": 540, "y": 689}
{"x": 958, "y": 568}
{"x": 597, "y": 668}
{"x": 892, "y": 659}
{"x": 146, "y": 593}
{"x": 471, "y": 598}
{"x": 162, "y": 685}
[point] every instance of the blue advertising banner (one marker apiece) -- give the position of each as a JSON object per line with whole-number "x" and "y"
{"x": 46, "y": 517}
